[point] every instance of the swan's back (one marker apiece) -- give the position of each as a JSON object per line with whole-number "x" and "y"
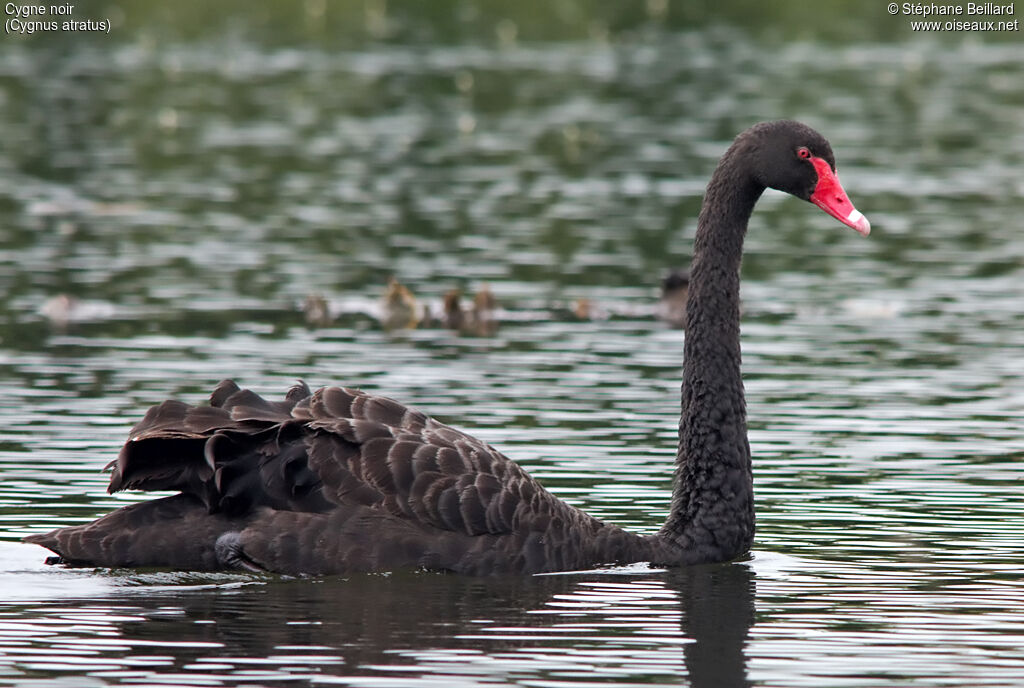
{"x": 333, "y": 481}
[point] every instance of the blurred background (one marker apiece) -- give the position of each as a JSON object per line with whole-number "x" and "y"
{"x": 228, "y": 189}
{"x": 207, "y": 159}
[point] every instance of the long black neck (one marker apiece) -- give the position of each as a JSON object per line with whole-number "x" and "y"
{"x": 712, "y": 516}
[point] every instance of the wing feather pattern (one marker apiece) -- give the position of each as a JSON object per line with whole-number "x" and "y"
{"x": 336, "y": 480}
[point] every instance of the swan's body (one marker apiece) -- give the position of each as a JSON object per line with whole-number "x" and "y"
{"x": 341, "y": 481}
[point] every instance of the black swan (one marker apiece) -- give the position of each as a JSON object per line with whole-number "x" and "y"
{"x": 340, "y": 481}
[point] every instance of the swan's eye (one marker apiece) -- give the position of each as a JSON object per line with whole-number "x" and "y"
{"x": 803, "y": 152}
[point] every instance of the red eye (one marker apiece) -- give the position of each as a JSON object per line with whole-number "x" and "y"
{"x": 803, "y": 152}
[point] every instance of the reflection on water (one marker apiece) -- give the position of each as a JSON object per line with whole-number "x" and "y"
{"x": 400, "y": 629}
{"x": 171, "y": 204}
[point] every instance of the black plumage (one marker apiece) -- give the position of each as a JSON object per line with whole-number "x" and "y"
{"x": 339, "y": 480}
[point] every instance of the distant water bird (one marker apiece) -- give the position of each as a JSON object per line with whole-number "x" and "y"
{"x": 583, "y": 309}
{"x": 64, "y": 310}
{"x": 399, "y": 309}
{"x": 672, "y": 305}
{"x": 485, "y": 311}
{"x": 452, "y": 315}
{"x": 341, "y": 481}
{"x": 587, "y": 309}
{"x": 316, "y": 310}
{"x": 59, "y": 309}
{"x": 479, "y": 319}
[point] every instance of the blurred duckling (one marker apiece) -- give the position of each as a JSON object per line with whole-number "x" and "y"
{"x": 479, "y": 319}
{"x": 399, "y": 310}
{"x": 485, "y": 306}
{"x": 316, "y": 310}
{"x": 584, "y": 309}
{"x": 672, "y": 306}
{"x": 452, "y": 315}
{"x": 64, "y": 310}
{"x": 60, "y": 310}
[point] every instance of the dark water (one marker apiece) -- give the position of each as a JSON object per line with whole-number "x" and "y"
{"x": 171, "y": 195}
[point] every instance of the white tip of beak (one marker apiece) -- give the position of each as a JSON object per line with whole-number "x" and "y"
{"x": 857, "y": 220}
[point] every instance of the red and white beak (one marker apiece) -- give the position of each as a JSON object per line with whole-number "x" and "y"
{"x": 830, "y": 197}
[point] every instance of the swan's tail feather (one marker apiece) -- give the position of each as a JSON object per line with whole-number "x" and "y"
{"x": 240, "y": 452}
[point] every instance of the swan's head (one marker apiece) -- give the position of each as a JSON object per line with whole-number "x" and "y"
{"x": 792, "y": 157}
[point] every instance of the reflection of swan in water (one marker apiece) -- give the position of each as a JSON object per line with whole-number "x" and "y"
{"x": 718, "y": 611}
{"x": 691, "y": 621}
